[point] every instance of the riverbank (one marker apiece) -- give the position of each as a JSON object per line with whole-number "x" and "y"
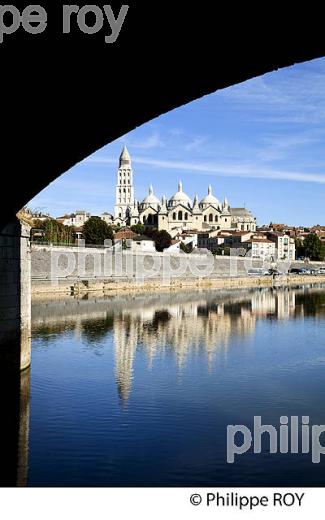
{"x": 41, "y": 289}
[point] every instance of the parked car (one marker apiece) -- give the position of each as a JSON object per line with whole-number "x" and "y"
{"x": 304, "y": 270}
{"x": 321, "y": 270}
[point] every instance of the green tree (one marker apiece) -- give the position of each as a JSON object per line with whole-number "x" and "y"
{"x": 313, "y": 247}
{"x": 96, "y": 231}
{"x": 162, "y": 239}
{"x": 300, "y": 249}
{"x": 55, "y": 232}
{"x": 139, "y": 229}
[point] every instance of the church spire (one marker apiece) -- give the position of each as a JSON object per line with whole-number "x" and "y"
{"x": 196, "y": 207}
{"x": 125, "y": 158}
{"x": 180, "y": 186}
{"x": 163, "y": 207}
{"x": 225, "y": 206}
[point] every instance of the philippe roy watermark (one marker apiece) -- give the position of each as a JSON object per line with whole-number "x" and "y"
{"x": 294, "y": 435}
{"x": 89, "y": 19}
{"x": 119, "y": 261}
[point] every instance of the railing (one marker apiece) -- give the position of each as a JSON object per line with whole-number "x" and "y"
{"x": 65, "y": 244}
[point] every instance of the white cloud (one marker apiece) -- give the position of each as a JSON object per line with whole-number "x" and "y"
{"x": 147, "y": 143}
{"x": 196, "y": 144}
{"x": 294, "y": 95}
{"x": 243, "y": 170}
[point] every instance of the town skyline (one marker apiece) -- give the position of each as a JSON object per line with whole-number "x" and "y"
{"x": 258, "y": 143}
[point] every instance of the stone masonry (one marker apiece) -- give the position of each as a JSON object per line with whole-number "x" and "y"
{"x": 15, "y": 292}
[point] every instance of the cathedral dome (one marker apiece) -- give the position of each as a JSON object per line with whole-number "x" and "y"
{"x": 210, "y": 199}
{"x": 151, "y": 199}
{"x": 180, "y": 197}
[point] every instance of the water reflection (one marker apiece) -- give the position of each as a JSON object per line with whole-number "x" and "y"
{"x": 23, "y": 436}
{"x": 180, "y": 323}
{"x": 14, "y": 432}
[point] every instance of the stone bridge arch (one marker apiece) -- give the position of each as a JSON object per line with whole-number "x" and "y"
{"x": 64, "y": 96}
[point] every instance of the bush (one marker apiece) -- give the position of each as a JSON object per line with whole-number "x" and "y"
{"x": 139, "y": 229}
{"x": 222, "y": 250}
{"x": 186, "y": 249}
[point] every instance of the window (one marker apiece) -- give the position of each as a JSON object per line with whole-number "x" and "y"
{"x": 210, "y": 217}
{"x": 180, "y": 215}
{"x": 186, "y": 216}
{"x": 216, "y": 218}
{"x": 174, "y": 216}
{"x": 205, "y": 218}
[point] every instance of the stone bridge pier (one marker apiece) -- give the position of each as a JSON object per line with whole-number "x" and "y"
{"x": 15, "y": 295}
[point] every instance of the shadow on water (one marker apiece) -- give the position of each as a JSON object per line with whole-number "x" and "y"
{"x": 14, "y": 432}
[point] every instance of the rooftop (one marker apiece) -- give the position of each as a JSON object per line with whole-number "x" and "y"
{"x": 125, "y": 234}
{"x": 240, "y": 212}
{"x": 259, "y": 240}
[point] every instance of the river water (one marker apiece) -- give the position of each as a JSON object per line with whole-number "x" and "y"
{"x": 139, "y": 390}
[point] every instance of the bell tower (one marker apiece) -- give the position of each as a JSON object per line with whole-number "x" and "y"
{"x": 124, "y": 188}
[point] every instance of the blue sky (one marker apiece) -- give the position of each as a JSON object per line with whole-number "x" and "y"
{"x": 260, "y": 143}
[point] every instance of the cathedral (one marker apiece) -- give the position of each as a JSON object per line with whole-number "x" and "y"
{"x": 179, "y": 213}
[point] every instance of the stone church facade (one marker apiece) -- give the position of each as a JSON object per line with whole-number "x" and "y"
{"x": 179, "y": 212}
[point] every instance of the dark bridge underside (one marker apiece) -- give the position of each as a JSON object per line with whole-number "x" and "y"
{"x": 63, "y": 97}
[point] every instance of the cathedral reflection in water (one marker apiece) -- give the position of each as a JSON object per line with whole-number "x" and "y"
{"x": 179, "y": 324}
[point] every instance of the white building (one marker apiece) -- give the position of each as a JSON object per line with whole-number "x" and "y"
{"x": 77, "y": 219}
{"x": 261, "y": 247}
{"x": 285, "y": 246}
{"x": 242, "y": 219}
{"x": 108, "y": 218}
{"x": 142, "y": 244}
{"x": 178, "y": 213}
